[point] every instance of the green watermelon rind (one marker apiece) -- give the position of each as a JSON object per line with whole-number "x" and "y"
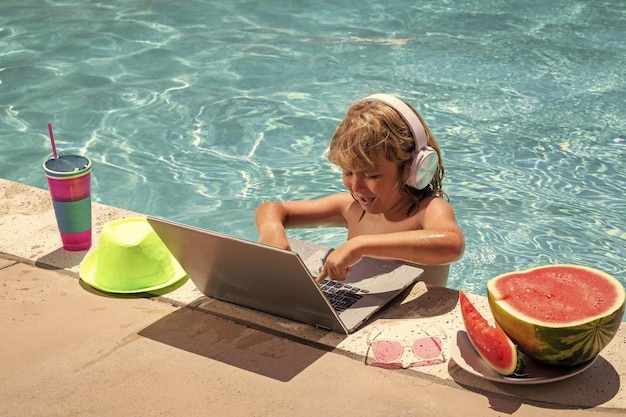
{"x": 566, "y": 345}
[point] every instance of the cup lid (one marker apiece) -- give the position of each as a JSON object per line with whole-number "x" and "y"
{"x": 67, "y": 166}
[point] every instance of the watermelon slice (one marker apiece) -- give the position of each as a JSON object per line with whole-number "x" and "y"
{"x": 491, "y": 343}
{"x": 558, "y": 314}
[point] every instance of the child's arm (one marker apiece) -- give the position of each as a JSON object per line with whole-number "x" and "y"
{"x": 269, "y": 219}
{"x": 439, "y": 242}
{"x": 272, "y": 218}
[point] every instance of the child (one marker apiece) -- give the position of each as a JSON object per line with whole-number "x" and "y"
{"x": 395, "y": 206}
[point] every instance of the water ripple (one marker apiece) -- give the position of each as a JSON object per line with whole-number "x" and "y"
{"x": 198, "y": 111}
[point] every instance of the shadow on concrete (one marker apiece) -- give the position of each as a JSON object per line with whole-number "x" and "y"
{"x": 593, "y": 387}
{"x": 426, "y": 301}
{"x": 434, "y": 302}
{"x": 60, "y": 259}
{"x": 230, "y": 343}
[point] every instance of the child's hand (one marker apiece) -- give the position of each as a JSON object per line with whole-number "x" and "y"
{"x": 339, "y": 263}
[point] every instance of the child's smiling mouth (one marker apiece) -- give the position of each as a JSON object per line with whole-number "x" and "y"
{"x": 365, "y": 201}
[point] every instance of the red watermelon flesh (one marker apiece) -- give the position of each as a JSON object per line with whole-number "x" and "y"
{"x": 560, "y": 294}
{"x": 558, "y": 314}
{"x": 491, "y": 342}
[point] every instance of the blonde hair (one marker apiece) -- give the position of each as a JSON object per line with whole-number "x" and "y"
{"x": 372, "y": 130}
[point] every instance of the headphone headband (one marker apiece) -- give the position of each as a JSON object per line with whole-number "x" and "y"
{"x": 408, "y": 115}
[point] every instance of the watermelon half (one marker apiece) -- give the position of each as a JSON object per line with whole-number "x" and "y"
{"x": 491, "y": 342}
{"x": 558, "y": 314}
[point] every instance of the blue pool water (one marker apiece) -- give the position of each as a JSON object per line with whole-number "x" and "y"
{"x": 199, "y": 110}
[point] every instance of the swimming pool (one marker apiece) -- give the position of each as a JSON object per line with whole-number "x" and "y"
{"x": 198, "y": 111}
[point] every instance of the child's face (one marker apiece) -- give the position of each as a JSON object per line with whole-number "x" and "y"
{"x": 376, "y": 189}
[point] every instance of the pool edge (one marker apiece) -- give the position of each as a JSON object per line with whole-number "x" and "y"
{"x": 29, "y": 235}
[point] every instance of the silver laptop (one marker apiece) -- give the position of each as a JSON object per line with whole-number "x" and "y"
{"x": 282, "y": 282}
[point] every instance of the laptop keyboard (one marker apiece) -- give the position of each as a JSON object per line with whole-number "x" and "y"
{"x": 341, "y": 296}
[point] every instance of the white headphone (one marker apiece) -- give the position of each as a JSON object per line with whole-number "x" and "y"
{"x": 425, "y": 159}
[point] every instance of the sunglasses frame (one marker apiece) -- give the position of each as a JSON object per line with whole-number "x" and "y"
{"x": 404, "y": 344}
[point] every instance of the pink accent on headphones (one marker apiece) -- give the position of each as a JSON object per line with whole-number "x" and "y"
{"x": 425, "y": 159}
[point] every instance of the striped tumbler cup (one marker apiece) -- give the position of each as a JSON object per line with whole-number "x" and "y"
{"x": 69, "y": 180}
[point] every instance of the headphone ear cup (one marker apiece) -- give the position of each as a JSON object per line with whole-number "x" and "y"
{"x": 423, "y": 168}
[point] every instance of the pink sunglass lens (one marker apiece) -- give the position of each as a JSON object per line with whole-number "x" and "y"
{"x": 427, "y": 348}
{"x": 387, "y": 351}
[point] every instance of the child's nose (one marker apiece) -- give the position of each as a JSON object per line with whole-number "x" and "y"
{"x": 356, "y": 182}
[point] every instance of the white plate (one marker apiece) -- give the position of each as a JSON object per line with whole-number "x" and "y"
{"x": 535, "y": 372}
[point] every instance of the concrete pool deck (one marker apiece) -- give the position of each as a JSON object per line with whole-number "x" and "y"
{"x": 70, "y": 350}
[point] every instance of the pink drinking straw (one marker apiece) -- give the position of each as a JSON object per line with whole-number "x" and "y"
{"x": 54, "y": 148}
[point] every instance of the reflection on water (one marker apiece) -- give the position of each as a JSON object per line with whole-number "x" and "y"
{"x": 198, "y": 111}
